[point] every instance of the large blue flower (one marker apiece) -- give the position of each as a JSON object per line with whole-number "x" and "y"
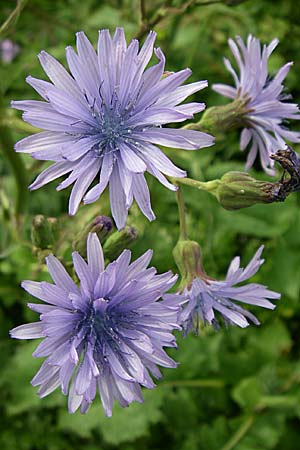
{"x": 106, "y": 117}
{"x": 106, "y": 334}
{"x": 266, "y": 111}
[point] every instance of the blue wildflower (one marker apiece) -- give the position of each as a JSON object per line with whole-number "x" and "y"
{"x": 8, "y": 50}
{"x": 107, "y": 334}
{"x": 265, "y": 110}
{"x": 205, "y": 297}
{"x": 105, "y": 119}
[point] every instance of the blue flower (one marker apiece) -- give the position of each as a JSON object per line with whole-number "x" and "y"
{"x": 105, "y": 120}
{"x": 8, "y": 50}
{"x": 206, "y": 298}
{"x": 266, "y": 112}
{"x": 105, "y": 335}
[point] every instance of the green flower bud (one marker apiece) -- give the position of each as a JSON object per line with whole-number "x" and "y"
{"x": 221, "y": 119}
{"x": 187, "y": 256}
{"x": 239, "y": 190}
{"x": 44, "y": 232}
{"x": 118, "y": 241}
{"x": 101, "y": 225}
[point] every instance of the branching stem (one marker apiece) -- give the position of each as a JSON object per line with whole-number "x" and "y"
{"x": 166, "y": 11}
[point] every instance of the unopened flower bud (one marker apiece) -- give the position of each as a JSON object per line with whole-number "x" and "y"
{"x": 44, "y": 232}
{"x": 118, "y": 241}
{"x": 239, "y": 190}
{"x": 221, "y": 119}
{"x": 101, "y": 225}
{"x": 187, "y": 256}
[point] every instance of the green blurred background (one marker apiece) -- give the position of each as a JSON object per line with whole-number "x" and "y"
{"x": 234, "y": 389}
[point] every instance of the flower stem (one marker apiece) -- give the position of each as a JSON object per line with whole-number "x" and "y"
{"x": 239, "y": 434}
{"x": 208, "y": 186}
{"x": 181, "y": 212}
{"x": 12, "y": 18}
{"x": 165, "y": 12}
{"x": 17, "y": 166}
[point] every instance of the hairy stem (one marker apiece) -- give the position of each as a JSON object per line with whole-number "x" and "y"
{"x": 181, "y": 212}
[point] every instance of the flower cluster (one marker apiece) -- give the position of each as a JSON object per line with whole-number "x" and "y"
{"x": 105, "y": 120}
{"x": 265, "y": 108}
{"x": 107, "y": 334}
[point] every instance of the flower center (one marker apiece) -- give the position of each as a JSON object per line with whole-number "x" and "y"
{"x": 112, "y": 129}
{"x": 101, "y": 324}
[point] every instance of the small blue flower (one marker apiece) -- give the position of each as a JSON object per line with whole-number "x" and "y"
{"x": 105, "y": 335}
{"x": 266, "y": 110}
{"x": 8, "y": 51}
{"x": 105, "y": 120}
{"x": 206, "y": 298}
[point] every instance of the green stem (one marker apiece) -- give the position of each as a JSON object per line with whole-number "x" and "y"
{"x": 208, "y": 186}
{"x": 12, "y": 18}
{"x": 239, "y": 434}
{"x": 17, "y": 166}
{"x": 277, "y": 401}
{"x": 181, "y": 212}
{"x": 166, "y": 11}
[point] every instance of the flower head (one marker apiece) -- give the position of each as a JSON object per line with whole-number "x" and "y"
{"x": 8, "y": 50}
{"x": 105, "y": 118}
{"x": 105, "y": 335}
{"x": 265, "y": 111}
{"x": 208, "y": 298}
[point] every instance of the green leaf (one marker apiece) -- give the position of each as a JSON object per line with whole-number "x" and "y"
{"x": 125, "y": 424}
{"x": 15, "y": 379}
{"x": 248, "y": 393}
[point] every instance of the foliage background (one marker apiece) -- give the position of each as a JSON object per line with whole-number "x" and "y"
{"x": 235, "y": 389}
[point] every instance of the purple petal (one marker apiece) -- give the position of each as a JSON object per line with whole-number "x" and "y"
{"x": 95, "y": 255}
{"x": 117, "y": 200}
{"x": 131, "y": 159}
{"x": 106, "y": 171}
{"x": 81, "y": 186}
{"x": 157, "y": 158}
{"x": 58, "y": 75}
{"x": 59, "y": 274}
{"x": 142, "y": 195}
{"x": 178, "y": 138}
{"x": 28, "y": 331}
